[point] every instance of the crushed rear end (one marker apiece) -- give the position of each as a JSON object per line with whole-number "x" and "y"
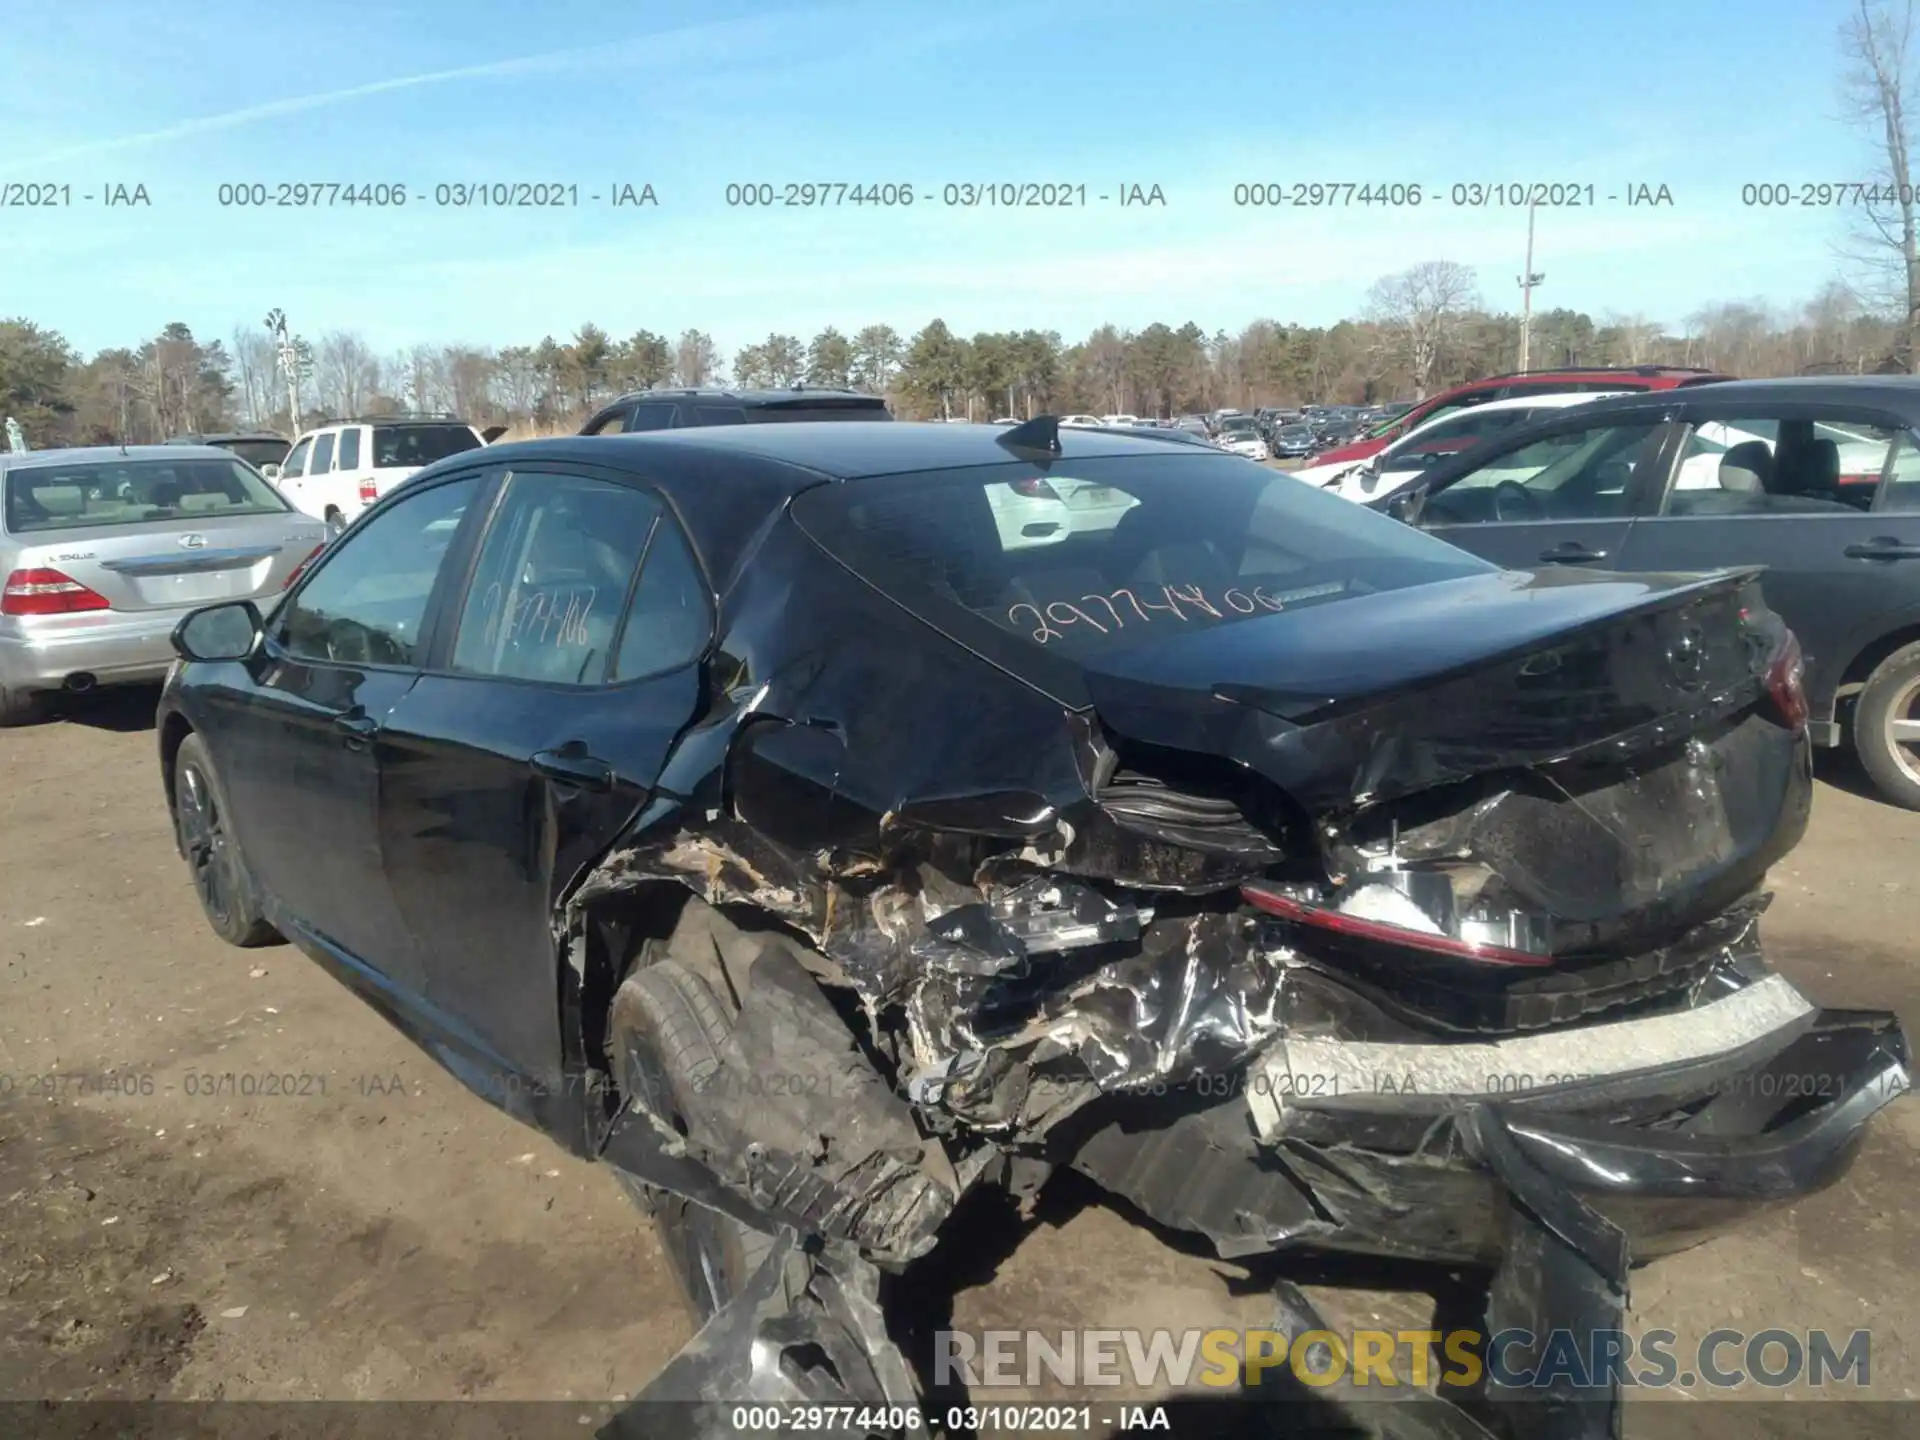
{"x": 1445, "y": 947}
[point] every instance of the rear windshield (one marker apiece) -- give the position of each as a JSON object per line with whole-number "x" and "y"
{"x": 86, "y": 494}
{"x": 1093, "y": 556}
{"x": 396, "y": 445}
{"x": 258, "y": 452}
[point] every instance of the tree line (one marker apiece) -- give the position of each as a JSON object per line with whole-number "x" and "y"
{"x": 1420, "y": 330}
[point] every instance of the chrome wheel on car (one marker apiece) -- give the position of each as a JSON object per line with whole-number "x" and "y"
{"x": 1902, "y": 726}
{"x": 1886, "y": 726}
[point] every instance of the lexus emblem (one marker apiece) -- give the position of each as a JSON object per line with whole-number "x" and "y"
{"x": 193, "y": 542}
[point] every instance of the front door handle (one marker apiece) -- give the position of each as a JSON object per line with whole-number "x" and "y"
{"x": 1571, "y": 553}
{"x": 572, "y": 765}
{"x": 357, "y": 727}
{"x": 1883, "y": 547}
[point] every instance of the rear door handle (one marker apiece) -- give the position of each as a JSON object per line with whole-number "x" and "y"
{"x": 1571, "y": 553}
{"x": 357, "y": 726}
{"x": 1883, "y": 547}
{"x": 571, "y": 765}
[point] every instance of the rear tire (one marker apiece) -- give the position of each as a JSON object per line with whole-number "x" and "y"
{"x": 667, "y": 1027}
{"x": 1888, "y": 705}
{"x": 220, "y": 876}
{"x": 20, "y": 707}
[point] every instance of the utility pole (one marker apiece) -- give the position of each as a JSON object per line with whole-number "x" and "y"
{"x": 288, "y": 356}
{"x": 1529, "y": 278}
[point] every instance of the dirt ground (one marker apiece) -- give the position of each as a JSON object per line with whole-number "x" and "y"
{"x": 180, "y": 1224}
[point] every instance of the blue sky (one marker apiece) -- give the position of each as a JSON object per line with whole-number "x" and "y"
{"x": 1700, "y": 95}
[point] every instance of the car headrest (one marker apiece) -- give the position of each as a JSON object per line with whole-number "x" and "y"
{"x": 1820, "y": 469}
{"x": 1747, "y": 467}
{"x": 61, "y": 499}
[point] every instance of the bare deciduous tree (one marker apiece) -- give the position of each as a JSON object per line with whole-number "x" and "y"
{"x": 1420, "y": 310}
{"x": 1876, "y": 42}
{"x": 345, "y": 372}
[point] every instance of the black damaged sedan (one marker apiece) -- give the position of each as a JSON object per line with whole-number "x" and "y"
{"x": 819, "y": 822}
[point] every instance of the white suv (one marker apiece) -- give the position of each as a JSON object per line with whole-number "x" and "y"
{"x": 336, "y": 470}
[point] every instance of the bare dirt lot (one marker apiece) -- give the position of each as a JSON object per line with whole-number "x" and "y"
{"x": 224, "y": 1178}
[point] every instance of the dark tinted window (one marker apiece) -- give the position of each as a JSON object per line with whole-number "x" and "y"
{"x": 776, "y": 414}
{"x": 350, "y": 448}
{"x": 1103, "y": 554}
{"x": 650, "y": 417}
{"x": 551, "y": 580}
{"x": 322, "y": 454}
{"x": 365, "y": 603}
{"x": 401, "y": 445}
{"x": 257, "y": 452}
{"x": 95, "y": 493}
{"x": 719, "y": 415}
{"x": 668, "y": 622}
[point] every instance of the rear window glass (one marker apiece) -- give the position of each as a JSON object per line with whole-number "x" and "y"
{"x": 127, "y": 492}
{"x": 780, "y": 414}
{"x": 1094, "y": 556}
{"x": 402, "y": 445}
{"x": 257, "y": 452}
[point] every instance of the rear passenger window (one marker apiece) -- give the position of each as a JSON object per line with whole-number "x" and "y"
{"x": 552, "y": 579}
{"x": 323, "y": 454}
{"x": 668, "y": 623}
{"x": 650, "y": 417}
{"x": 1903, "y": 476}
{"x": 350, "y": 449}
{"x": 1764, "y": 465}
{"x": 719, "y": 415}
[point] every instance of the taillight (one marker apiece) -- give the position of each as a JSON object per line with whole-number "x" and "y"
{"x": 1353, "y": 926}
{"x": 301, "y": 568}
{"x": 1035, "y": 489}
{"x": 368, "y": 492}
{"x": 48, "y": 592}
{"x": 1787, "y": 683}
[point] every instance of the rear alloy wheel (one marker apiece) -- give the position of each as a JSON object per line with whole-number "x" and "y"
{"x": 20, "y": 707}
{"x": 220, "y": 875}
{"x": 667, "y": 1027}
{"x": 1886, "y": 727}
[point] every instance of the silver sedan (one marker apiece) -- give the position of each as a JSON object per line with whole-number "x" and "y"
{"x": 104, "y": 548}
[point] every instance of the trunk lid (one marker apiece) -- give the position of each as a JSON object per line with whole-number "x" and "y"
{"x": 1518, "y": 769}
{"x": 177, "y": 563}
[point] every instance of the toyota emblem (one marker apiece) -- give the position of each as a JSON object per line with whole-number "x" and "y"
{"x": 193, "y": 542}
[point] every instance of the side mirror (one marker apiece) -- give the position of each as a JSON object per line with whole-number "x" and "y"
{"x": 270, "y": 470}
{"x": 230, "y": 630}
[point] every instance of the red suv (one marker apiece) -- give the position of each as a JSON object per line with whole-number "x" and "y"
{"x": 1524, "y": 382}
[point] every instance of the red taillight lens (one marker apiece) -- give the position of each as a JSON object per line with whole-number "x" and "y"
{"x": 1787, "y": 684}
{"x": 1353, "y": 926}
{"x": 48, "y": 592}
{"x": 1035, "y": 489}
{"x": 301, "y": 568}
{"x": 368, "y": 493}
